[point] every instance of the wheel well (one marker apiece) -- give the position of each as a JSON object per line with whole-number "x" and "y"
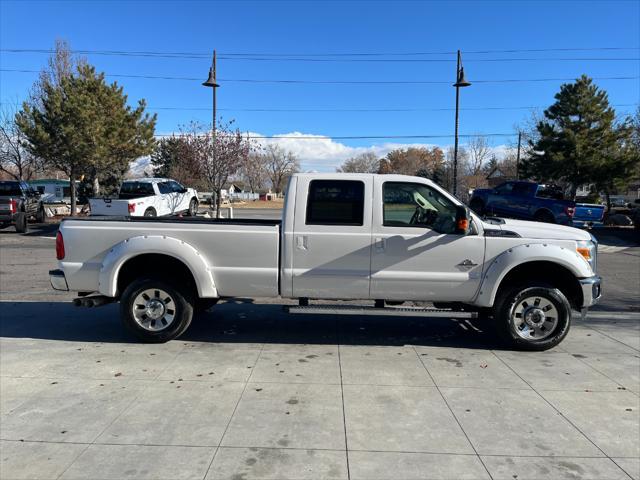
{"x": 547, "y": 272}
{"x": 156, "y": 265}
{"x": 543, "y": 211}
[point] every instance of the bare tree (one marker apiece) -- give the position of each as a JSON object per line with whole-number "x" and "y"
{"x": 220, "y": 157}
{"x": 254, "y": 171}
{"x": 15, "y": 160}
{"x": 478, "y": 152}
{"x": 280, "y": 165}
{"x": 366, "y": 162}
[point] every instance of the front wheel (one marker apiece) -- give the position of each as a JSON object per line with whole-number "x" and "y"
{"x": 40, "y": 215}
{"x": 193, "y": 207}
{"x": 155, "y": 311}
{"x": 532, "y": 317}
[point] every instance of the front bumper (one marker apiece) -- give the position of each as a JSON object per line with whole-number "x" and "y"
{"x": 591, "y": 290}
{"x": 58, "y": 280}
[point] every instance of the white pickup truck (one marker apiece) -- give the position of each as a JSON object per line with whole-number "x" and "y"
{"x": 380, "y": 239}
{"x": 148, "y": 197}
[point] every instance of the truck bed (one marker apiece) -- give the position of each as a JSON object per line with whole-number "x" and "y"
{"x": 242, "y": 254}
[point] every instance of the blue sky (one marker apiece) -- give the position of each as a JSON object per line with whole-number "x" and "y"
{"x": 306, "y": 29}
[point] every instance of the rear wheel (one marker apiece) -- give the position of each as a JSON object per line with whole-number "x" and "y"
{"x": 532, "y": 317}
{"x": 155, "y": 311}
{"x": 150, "y": 212}
{"x": 21, "y": 222}
{"x": 193, "y": 207}
{"x": 545, "y": 217}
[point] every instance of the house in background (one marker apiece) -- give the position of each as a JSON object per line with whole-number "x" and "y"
{"x": 497, "y": 176}
{"x": 53, "y": 190}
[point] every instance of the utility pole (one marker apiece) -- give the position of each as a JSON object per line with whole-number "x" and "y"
{"x": 211, "y": 82}
{"x": 460, "y": 82}
{"x": 518, "y": 156}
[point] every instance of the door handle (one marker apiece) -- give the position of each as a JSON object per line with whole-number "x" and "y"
{"x": 381, "y": 243}
{"x": 301, "y": 242}
{"x": 467, "y": 263}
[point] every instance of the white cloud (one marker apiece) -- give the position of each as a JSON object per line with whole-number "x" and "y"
{"x": 321, "y": 153}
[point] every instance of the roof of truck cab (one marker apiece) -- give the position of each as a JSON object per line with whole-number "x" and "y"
{"x": 148, "y": 180}
{"x": 361, "y": 176}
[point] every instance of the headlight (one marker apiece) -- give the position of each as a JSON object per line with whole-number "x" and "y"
{"x": 589, "y": 250}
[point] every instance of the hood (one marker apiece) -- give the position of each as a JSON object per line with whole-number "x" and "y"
{"x": 540, "y": 230}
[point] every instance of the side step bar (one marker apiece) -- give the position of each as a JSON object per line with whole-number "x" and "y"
{"x": 374, "y": 311}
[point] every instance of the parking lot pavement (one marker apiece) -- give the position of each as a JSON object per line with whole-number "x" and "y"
{"x": 252, "y": 392}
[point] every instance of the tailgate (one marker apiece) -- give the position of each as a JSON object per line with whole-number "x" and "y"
{"x": 108, "y": 206}
{"x": 586, "y": 212}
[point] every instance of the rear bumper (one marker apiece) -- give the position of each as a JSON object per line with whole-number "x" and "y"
{"x": 591, "y": 290}
{"x": 58, "y": 280}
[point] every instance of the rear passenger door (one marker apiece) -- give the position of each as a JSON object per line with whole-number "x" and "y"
{"x": 332, "y": 238}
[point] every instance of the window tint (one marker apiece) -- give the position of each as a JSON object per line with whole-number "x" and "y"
{"x": 130, "y": 190}
{"x": 550, "y": 191}
{"x": 523, "y": 189}
{"x": 417, "y": 205}
{"x": 164, "y": 187}
{"x": 335, "y": 202}
{"x": 504, "y": 189}
{"x": 10, "y": 188}
{"x": 175, "y": 186}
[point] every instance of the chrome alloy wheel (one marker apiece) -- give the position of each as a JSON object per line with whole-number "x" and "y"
{"x": 534, "y": 318}
{"x": 154, "y": 309}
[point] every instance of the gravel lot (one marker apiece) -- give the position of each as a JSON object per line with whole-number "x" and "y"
{"x": 252, "y": 392}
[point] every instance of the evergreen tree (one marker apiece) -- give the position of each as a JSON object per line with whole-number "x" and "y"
{"x": 83, "y": 126}
{"x": 578, "y": 141}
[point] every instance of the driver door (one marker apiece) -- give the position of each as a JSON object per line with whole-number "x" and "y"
{"x": 416, "y": 253}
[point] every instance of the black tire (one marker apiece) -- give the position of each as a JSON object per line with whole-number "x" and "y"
{"x": 150, "y": 212}
{"x": 193, "y": 207}
{"x": 40, "y": 215}
{"x": 181, "y": 300}
{"x": 477, "y": 206}
{"x": 544, "y": 217}
{"x": 505, "y": 317}
{"x": 21, "y": 222}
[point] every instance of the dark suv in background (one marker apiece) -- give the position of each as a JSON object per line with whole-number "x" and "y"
{"x": 18, "y": 203}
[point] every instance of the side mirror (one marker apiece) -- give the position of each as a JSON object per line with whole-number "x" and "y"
{"x": 462, "y": 220}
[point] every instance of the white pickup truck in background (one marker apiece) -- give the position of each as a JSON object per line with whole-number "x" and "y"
{"x": 378, "y": 239}
{"x": 148, "y": 197}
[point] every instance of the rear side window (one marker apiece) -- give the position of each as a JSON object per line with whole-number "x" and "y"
{"x": 136, "y": 190}
{"x": 10, "y": 188}
{"x": 335, "y": 202}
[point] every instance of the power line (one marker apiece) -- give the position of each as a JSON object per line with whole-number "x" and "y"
{"x": 365, "y": 110}
{"x": 164, "y": 54}
{"x": 340, "y": 59}
{"x": 357, "y": 137}
{"x": 337, "y": 82}
{"x": 352, "y": 109}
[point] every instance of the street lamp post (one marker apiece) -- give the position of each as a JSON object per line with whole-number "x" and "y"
{"x": 460, "y": 82}
{"x": 211, "y": 82}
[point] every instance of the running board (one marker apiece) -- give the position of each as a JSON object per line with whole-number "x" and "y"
{"x": 374, "y": 311}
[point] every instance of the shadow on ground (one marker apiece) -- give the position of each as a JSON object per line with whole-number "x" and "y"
{"x": 243, "y": 322}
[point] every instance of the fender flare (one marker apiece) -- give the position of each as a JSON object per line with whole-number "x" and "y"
{"x": 160, "y": 244}
{"x": 526, "y": 253}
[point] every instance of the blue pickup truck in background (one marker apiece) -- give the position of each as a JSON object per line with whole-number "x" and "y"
{"x": 533, "y": 201}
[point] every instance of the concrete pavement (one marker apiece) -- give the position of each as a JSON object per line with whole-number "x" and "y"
{"x": 252, "y": 392}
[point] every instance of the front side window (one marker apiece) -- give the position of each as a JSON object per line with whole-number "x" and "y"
{"x": 417, "y": 205}
{"x": 335, "y": 202}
